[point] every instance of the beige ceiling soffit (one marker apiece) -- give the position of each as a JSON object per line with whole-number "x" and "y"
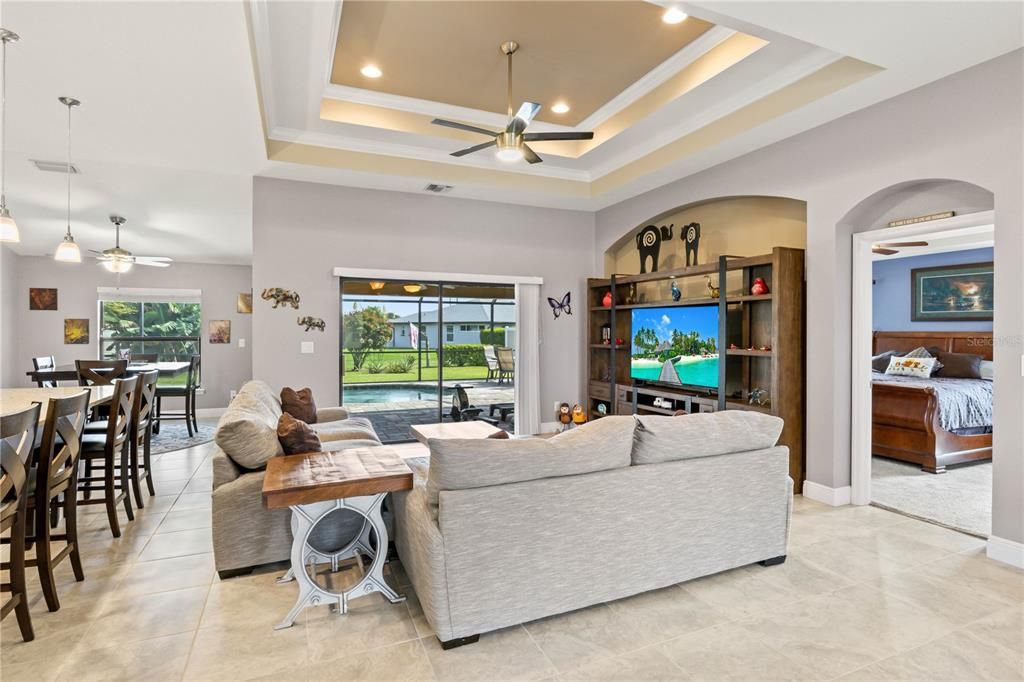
{"x": 726, "y": 54}
{"x": 436, "y": 171}
{"x": 830, "y": 79}
{"x": 259, "y": 44}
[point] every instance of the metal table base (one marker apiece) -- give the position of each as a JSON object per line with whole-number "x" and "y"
{"x": 304, "y": 556}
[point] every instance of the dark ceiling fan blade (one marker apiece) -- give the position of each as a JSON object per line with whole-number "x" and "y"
{"x": 546, "y": 137}
{"x": 530, "y": 155}
{"x": 903, "y": 244}
{"x": 475, "y": 148}
{"x": 463, "y": 126}
{"x": 523, "y": 117}
{"x": 883, "y": 252}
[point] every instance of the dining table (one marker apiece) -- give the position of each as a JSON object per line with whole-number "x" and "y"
{"x": 70, "y": 373}
{"x": 17, "y": 399}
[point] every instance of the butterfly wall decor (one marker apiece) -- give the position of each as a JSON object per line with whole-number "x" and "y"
{"x": 559, "y": 307}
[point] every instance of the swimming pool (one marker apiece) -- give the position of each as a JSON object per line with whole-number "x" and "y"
{"x": 395, "y": 393}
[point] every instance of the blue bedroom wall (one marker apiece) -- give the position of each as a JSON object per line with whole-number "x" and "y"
{"x": 891, "y": 295}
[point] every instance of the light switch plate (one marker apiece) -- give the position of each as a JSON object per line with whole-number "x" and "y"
{"x": 307, "y": 347}
{"x": 241, "y": 343}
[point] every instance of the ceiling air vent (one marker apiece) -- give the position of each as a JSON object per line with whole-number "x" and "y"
{"x": 55, "y": 166}
{"x": 437, "y": 189}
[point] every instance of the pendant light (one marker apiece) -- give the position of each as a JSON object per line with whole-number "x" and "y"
{"x": 8, "y": 228}
{"x": 68, "y": 251}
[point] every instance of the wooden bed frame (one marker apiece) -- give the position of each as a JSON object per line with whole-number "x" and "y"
{"x": 905, "y": 419}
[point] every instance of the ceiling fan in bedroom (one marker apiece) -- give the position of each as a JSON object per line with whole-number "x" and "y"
{"x": 511, "y": 142}
{"x": 121, "y": 260}
{"x": 889, "y": 248}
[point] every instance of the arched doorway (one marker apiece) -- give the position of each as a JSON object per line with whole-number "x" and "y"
{"x": 869, "y": 223}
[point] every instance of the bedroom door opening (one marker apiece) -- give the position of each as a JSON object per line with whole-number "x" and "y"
{"x": 907, "y": 454}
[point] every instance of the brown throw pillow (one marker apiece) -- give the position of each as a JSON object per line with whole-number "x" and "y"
{"x": 299, "y": 404}
{"x": 500, "y": 435}
{"x": 959, "y": 365}
{"x": 295, "y": 435}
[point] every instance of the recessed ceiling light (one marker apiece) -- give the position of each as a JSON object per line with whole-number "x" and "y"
{"x": 560, "y": 108}
{"x": 673, "y": 15}
{"x": 371, "y": 71}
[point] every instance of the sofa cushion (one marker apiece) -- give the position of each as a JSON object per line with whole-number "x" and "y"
{"x": 247, "y": 432}
{"x": 457, "y": 464}
{"x": 664, "y": 439}
{"x": 341, "y": 445}
{"x": 295, "y": 435}
{"x": 299, "y": 404}
{"x": 346, "y": 429}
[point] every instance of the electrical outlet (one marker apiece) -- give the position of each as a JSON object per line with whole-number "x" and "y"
{"x": 241, "y": 343}
{"x": 307, "y": 347}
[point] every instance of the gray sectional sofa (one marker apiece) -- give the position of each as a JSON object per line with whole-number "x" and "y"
{"x": 500, "y": 532}
{"x": 245, "y": 533}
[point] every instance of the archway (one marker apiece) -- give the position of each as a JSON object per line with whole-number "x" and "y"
{"x": 868, "y": 222}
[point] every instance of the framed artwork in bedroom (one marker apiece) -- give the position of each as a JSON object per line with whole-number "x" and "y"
{"x": 952, "y": 293}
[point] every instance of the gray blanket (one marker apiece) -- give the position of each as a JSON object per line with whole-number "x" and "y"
{"x": 963, "y": 403}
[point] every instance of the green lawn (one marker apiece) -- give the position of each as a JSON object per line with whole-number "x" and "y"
{"x": 429, "y": 374}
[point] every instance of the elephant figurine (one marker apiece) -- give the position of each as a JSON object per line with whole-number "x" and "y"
{"x": 310, "y": 322}
{"x": 648, "y": 243}
{"x": 690, "y": 234}
{"x": 281, "y": 297}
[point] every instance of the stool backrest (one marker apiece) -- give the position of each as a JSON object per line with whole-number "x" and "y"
{"x": 194, "y": 372}
{"x": 17, "y": 439}
{"x": 122, "y": 410}
{"x": 45, "y": 362}
{"x": 145, "y": 401}
{"x": 100, "y": 372}
{"x": 61, "y": 446}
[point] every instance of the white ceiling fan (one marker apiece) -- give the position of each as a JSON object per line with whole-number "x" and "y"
{"x": 890, "y": 248}
{"x": 511, "y": 142}
{"x": 122, "y": 260}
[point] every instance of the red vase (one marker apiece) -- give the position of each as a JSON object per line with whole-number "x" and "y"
{"x": 759, "y": 288}
{"x": 607, "y": 300}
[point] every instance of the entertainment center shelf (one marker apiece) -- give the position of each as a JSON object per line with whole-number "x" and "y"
{"x": 763, "y": 373}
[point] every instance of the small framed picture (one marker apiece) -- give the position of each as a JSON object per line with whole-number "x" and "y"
{"x": 76, "y": 331}
{"x": 42, "y": 299}
{"x": 244, "y": 304}
{"x": 220, "y": 331}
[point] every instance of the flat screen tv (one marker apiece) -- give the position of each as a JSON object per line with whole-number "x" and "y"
{"x": 677, "y": 346}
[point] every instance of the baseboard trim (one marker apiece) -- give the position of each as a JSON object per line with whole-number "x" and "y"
{"x": 210, "y": 411}
{"x": 833, "y": 497}
{"x": 1006, "y": 551}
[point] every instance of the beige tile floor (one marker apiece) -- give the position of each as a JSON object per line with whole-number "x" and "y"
{"x": 865, "y": 595}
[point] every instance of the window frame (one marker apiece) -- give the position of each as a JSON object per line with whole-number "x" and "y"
{"x": 103, "y": 339}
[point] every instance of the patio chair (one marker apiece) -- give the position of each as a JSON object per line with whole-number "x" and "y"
{"x": 463, "y": 411}
{"x": 492, "y": 362}
{"x": 506, "y": 364}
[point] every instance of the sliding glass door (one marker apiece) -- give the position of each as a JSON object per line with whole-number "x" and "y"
{"x": 426, "y": 352}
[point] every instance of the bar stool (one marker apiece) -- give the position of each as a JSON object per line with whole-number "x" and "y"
{"x": 17, "y": 438}
{"x": 55, "y": 486}
{"x": 188, "y": 392}
{"x": 107, "y": 451}
{"x": 43, "y": 363}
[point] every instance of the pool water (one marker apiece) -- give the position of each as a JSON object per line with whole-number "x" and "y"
{"x": 398, "y": 393}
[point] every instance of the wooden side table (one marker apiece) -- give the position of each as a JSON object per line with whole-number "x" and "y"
{"x": 317, "y": 484}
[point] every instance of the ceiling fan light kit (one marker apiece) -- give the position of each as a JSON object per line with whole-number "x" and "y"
{"x": 68, "y": 251}
{"x": 510, "y": 143}
{"x": 118, "y": 260}
{"x": 8, "y": 226}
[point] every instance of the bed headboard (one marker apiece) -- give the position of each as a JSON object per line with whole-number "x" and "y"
{"x": 977, "y": 343}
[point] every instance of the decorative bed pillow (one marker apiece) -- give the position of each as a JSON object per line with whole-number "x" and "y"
{"x": 880, "y": 362}
{"x": 921, "y": 368}
{"x": 987, "y": 370}
{"x": 929, "y": 352}
{"x": 296, "y": 437}
{"x": 299, "y": 404}
{"x": 960, "y": 365}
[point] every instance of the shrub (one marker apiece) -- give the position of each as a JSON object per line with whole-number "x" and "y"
{"x": 464, "y": 355}
{"x": 493, "y": 338}
{"x": 402, "y": 365}
{"x": 375, "y": 367}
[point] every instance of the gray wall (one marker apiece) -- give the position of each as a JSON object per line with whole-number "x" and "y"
{"x": 8, "y": 316}
{"x": 965, "y": 127}
{"x": 301, "y": 231}
{"x": 225, "y": 366}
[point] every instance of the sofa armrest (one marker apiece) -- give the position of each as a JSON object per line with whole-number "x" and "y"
{"x": 331, "y": 414}
{"x": 224, "y": 470}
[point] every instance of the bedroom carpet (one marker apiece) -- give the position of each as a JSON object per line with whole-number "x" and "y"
{"x": 961, "y": 498}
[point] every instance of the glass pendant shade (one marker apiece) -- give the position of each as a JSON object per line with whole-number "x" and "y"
{"x": 117, "y": 265}
{"x": 8, "y": 228}
{"x": 68, "y": 251}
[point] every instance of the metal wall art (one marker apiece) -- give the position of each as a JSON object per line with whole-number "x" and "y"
{"x": 559, "y": 307}
{"x": 691, "y": 239}
{"x": 648, "y": 244}
{"x": 281, "y": 297}
{"x": 310, "y": 322}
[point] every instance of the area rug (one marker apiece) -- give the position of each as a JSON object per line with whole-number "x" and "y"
{"x": 174, "y": 436}
{"x": 960, "y": 499}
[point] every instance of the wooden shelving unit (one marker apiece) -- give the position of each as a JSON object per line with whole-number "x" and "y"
{"x": 774, "y": 320}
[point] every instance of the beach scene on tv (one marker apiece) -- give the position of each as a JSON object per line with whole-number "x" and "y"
{"x": 676, "y": 345}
